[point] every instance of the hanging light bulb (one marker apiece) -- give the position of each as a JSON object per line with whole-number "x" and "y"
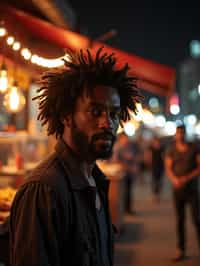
{"x": 2, "y": 31}
{"x": 14, "y": 100}
{"x": 3, "y": 78}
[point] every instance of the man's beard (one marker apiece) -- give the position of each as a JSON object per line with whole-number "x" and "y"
{"x": 87, "y": 149}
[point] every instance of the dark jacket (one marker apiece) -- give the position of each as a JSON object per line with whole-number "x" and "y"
{"x": 53, "y": 217}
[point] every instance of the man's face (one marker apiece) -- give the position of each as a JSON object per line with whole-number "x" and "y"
{"x": 180, "y": 134}
{"x": 95, "y": 122}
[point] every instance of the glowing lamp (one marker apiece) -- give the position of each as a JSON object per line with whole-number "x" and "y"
{"x": 2, "y": 31}
{"x": 3, "y": 79}
{"x": 14, "y": 100}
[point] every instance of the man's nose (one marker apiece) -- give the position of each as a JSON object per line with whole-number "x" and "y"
{"x": 106, "y": 121}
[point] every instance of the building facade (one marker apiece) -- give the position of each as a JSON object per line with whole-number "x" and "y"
{"x": 189, "y": 81}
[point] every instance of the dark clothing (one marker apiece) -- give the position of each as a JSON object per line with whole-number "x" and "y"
{"x": 181, "y": 198}
{"x": 128, "y": 197}
{"x": 184, "y": 163}
{"x": 103, "y": 230}
{"x": 53, "y": 217}
{"x": 157, "y": 168}
{"x": 4, "y": 250}
{"x": 127, "y": 156}
{"x": 157, "y": 158}
{"x": 157, "y": 182}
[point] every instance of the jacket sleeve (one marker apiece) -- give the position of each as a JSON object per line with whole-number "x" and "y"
{"x": 34, "y": 227}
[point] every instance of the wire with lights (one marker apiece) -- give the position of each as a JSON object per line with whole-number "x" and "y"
{"x": 28, "y": 55}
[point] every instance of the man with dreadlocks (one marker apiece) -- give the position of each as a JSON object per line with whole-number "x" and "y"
{"x": 60, "y": 216}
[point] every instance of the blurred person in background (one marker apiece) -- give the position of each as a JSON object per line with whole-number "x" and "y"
{"x": 157, "y": 166}
{"x": 126, "y": 155}
{"x": 60, "y": 216}
{"x": 182, "y": 164}
{"x": 139, "y": 146}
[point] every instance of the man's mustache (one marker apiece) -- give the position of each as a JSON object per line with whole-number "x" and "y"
{"x": 104, "y": 136}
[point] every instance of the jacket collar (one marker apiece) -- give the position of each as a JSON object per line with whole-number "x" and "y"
{"x": 71, "y": 164}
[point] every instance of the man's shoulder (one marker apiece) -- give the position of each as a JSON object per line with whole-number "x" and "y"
{"x": 49, "y": 172}
{"x": 47, "y": 180}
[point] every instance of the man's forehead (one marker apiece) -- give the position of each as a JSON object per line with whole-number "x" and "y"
{"x": 110, "y": 104}
{"x": 100, "y": 94}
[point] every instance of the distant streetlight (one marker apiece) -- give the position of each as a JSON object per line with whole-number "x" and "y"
{"x": 174, "y": 109}
{"x": 160, "y": 121}
{"x": 195, "y": 48}
{"x": 170, "y": 128}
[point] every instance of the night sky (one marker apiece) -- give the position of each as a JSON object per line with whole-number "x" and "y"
{"x": 159, "y": 32}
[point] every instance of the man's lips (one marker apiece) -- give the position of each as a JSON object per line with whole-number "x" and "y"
{"x": 103, "y": 143}
{"x": 104, "y": 140}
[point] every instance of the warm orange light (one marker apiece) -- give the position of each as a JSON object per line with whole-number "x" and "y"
{"x": 10, "y": 40}
{"x": 16, "y": 46}
{"x": 2, "y": 31}
{"x": 14, "y": 100}
{"x": 3, "y": 80}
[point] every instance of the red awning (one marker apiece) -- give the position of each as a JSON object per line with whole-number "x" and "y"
{"x": 154, "y": 77}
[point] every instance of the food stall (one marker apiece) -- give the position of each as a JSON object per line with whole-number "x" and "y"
{"x": 23, "y": 143}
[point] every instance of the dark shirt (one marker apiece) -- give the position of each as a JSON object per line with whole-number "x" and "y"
{"x": 157, "y": 157}
{"x": 127, "y": 156}
{"x": 184, "y": 162}
{"x": 103, "y": 230}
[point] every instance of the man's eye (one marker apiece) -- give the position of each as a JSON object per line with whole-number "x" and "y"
{"x": 96, "y": 112}
{"x": 115, "y": 114}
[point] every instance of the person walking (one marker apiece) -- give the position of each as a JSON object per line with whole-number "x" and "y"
{"x": 157, "y": 167}
{"x": 126, "y": 155}
{"x": 182, "y": 163}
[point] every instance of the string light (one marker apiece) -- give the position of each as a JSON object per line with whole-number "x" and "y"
{"x": 40, "y": 61}
{"x": 28, "y": 55}
{"x": 16, "y": 46}
{"x": 10, "y": 40}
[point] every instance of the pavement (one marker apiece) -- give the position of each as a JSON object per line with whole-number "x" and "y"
{"x": 148, "y": 236}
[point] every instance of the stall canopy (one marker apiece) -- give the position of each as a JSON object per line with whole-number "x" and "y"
{"x": 51, "y": 41}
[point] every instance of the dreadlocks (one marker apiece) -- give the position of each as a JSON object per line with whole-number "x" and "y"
{"x": 60, "y": 88}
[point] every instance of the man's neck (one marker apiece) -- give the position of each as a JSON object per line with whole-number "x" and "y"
{"x": 85, "y": 165}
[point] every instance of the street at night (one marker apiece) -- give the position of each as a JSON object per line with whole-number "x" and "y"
{"x": 149, "y": 236}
